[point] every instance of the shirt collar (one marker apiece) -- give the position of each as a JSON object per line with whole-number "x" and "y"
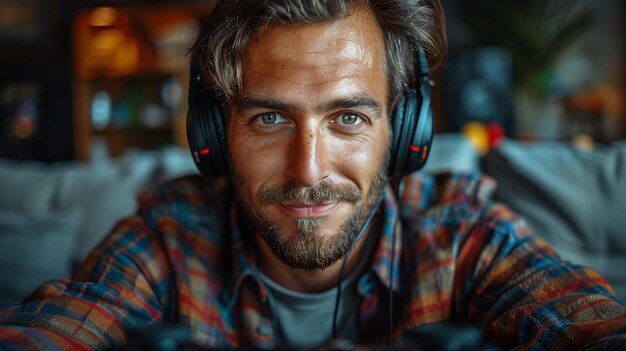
{"x": 387, "y": 256}
{"x": 244, "y": 263}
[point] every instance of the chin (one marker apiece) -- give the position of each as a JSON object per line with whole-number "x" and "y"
{"x": 307, "y": 245}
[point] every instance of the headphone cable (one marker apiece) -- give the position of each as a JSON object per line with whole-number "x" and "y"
{"x": 345, "y": 258}
{"x": 399, "y": 191}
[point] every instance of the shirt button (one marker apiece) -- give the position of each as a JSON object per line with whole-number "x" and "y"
{"x": 264, "y": 330}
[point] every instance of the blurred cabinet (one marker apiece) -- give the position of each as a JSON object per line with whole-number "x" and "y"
{"x": 131, "y": 76}
{"x": 36, "y": 121}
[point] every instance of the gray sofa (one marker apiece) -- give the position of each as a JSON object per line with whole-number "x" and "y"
{"x": 51, "y": 215}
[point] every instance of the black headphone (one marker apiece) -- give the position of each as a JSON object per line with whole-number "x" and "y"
{"x": 412, "y": 126}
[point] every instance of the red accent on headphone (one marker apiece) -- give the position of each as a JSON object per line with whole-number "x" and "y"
{"x": 425, "y": 152}
{"x": 205, "y": 151}
{"x": 414, "y": 148}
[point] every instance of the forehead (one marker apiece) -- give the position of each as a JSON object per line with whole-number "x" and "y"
{"x": 321, "y": 53}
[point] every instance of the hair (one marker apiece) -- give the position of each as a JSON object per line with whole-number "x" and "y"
{"x": 407, "y": 25}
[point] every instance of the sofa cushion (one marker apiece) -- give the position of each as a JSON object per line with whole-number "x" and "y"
{"x": 34, "y": 249}
{"x": 103, "y": 192}
{"x": 574, "y": 199}
{"x": 452, "y": 152}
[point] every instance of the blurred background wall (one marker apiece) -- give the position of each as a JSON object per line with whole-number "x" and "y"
{"x": 87, "y": 79}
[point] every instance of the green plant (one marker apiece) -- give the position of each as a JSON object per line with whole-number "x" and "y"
{"x": 535, "y": 33}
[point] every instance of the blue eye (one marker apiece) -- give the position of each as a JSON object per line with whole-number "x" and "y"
{"x": 271, "y": 118}
{"x": 350, "y": 119}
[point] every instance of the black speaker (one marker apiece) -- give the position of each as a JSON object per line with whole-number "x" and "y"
{"x": 479, "y": 88}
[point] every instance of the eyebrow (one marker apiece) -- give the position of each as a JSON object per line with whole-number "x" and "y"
{"x": 256, "y": 102}
{"x": 362, "y": 101}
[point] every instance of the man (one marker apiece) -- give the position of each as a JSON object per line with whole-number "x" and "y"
{"x": 304, "y": 240}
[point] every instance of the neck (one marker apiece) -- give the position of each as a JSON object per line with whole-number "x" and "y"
{"x": 311, "y": 281}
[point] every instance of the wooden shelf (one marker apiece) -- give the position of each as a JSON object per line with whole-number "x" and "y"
{"x": 130, "y": 53}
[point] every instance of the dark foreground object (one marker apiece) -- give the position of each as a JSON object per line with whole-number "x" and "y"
{"x": 435, "y": 337}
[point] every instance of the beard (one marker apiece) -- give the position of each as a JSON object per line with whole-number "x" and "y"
{"x": 306, "y": 248}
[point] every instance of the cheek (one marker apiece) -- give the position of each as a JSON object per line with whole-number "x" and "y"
{"x": 362, "y": 161}
{"x": 364, "y": 155}
{"x": 254, "y": 163}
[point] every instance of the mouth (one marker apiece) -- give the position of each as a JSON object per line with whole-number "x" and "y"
{"x": 308, "y": 210}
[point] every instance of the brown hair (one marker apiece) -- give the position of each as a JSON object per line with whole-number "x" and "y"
{"x": 408, "y": 25}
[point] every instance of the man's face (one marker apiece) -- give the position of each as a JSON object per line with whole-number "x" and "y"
{"x": 309, "y": 136}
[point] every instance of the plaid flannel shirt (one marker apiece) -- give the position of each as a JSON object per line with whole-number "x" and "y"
{"x": 457, "y": 256}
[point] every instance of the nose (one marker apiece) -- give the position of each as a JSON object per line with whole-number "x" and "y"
{"x": 309, "y": 157}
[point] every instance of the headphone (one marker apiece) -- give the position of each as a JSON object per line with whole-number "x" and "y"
{"x": 411, "y": 126}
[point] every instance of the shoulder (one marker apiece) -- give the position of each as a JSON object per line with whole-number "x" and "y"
{"x": 456, "y": 210}
{"x": 187, "y": 199}
{"x": 192, "y": 188}
{"x": 177, "y": 209}
{"x": 445, "y": 196}
{"x": 460, "y": 218}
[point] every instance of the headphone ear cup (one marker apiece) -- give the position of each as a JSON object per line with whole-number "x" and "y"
{"x": 412, "y": 128}
{"x": 412, "y": 132}
{"x": 422, "y": 137}
{"x": 206, "y": 132}
{"x": 397, "y": 138}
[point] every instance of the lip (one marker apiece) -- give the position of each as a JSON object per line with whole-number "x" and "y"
{"x": 308, "y": 211}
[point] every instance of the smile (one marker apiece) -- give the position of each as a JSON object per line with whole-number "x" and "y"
{"x": 308, "y": 210}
